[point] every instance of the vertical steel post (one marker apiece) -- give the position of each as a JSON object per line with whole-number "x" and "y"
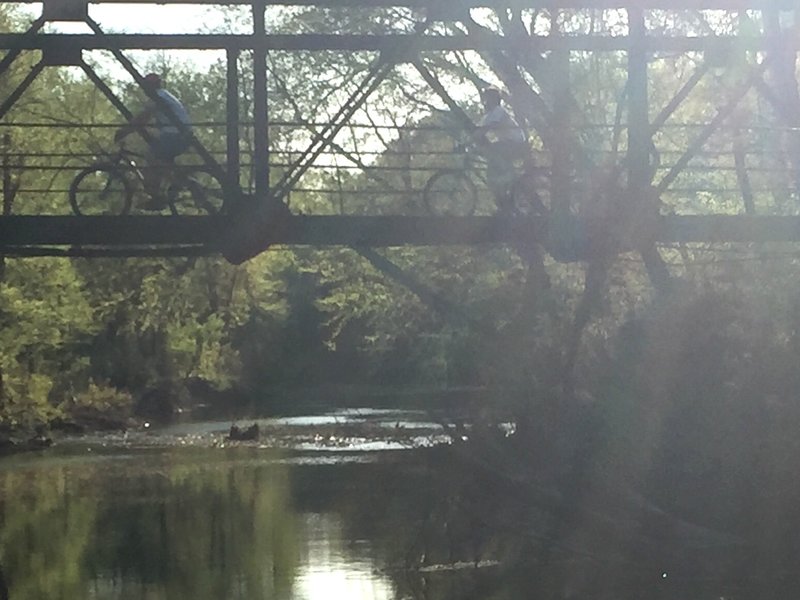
{"x": 639, "y": 139}
{"x": 232, "y": 114}
{"x": 562, "y": 152}
{"x": 260, "y": 117}
{"x": 640, "y": 146}
{"x": 9, "y": 189}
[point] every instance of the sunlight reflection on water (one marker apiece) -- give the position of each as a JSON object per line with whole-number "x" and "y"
{"x": 329, "y": 570}
{"x": 340, "y": 431}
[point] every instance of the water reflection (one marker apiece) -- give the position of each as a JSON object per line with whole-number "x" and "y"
{"x": 172, "y": 523}
{"x": 248, "y": 523}
{"x": 45, "y": 535}
{"x": 331, "y": 569}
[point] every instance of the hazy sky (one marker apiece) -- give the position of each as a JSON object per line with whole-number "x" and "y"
{"x": 143, "y": 18}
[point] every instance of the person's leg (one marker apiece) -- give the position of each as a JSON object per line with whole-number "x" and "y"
{"x": 500, "y": 169}
{"x": 493, "y": 166}
{"x": 153, "y": 175}
{"x": 161, "y": 160}
{"x": 158, "y": 160}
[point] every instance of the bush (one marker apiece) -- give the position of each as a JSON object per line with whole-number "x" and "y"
{"x": 101, "y": 406}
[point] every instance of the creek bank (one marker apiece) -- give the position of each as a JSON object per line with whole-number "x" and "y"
{"x": 13, "y": 445}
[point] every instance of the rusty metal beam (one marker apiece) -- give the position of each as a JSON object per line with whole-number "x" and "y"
{"x": 755, "y": 75}
{"x": 444, "y": 95}
{"x": 20, "y": 231}
{"x": 108, "y": 93}
{"x": 260, "y": 107}
{"x": 363, "y": 42}
{"x": 639, "y": 137}
{"x": 679, "y": 97}
{"x": 729, "y": 5}
{"x": 27, "y": 230}
{"x": 14, "y": 52}
{"x": 23, "y": 85}
{"x": 640, "y": 173}
{"x": 740, "y": 162}
{"x": 105, "y": 252}
{"x": 232, "y": 154}
{"x": 380, "y": 68}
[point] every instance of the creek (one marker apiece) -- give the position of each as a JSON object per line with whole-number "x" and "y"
{"x": 317, "y": 507}
{"x": 352, "y": 504}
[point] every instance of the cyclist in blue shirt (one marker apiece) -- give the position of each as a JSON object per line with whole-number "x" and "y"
{"x": 166, "y": 142}
{"x": 501, "y": 140}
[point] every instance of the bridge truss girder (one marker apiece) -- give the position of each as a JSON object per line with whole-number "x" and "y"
{"x": 258, "y": 224}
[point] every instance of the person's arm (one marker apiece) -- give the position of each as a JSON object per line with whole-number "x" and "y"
{"x": 479, "y": 135}
{"x": 138, "y": 121}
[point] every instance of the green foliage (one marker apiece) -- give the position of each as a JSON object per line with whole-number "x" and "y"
{"x": 44, "y": 318}
{"x": 99, "y": 404}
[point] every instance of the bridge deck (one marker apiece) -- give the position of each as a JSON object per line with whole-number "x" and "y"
{"x": 42, "y": 235}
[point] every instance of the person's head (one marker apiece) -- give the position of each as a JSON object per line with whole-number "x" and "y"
{"x": 152, "y": 82}
{"x": 490, "y": 97}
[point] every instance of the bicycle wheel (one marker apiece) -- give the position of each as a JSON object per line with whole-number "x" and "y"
{"x": 196, "y": 193}
{"x": 450, "y": 193}
{"x": 100, "y": 190}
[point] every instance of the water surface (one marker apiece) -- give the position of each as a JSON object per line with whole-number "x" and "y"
{"x": 353, "y": 504}
{"x": 181, "y": 513}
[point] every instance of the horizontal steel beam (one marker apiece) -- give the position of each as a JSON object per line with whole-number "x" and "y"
{"x": 24, "y": 230}
{"x": 66, "y": 43}
{"x": 106, "y": 252}
{"x": 730, "y": 5}
{"x": 314, "y": 230}
{"x": 20, "y": 231}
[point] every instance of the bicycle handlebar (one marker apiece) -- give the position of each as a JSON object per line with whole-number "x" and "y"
{"x": 122, "y": 151}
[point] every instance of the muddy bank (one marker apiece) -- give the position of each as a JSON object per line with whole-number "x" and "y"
{"x": 346, "y": 430}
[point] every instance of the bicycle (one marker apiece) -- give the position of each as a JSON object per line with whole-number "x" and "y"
{"x": 108, "y": 187}
{"x": 452, "y": 191}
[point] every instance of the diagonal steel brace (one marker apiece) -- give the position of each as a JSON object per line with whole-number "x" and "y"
{"x": 20, "y": 89}
{"x": 12, "y": 55}
{"x": 375, "y": 76}
{"x": 723, "y": 113}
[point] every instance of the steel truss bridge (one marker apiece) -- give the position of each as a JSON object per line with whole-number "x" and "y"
{"x": 259, "y": 178}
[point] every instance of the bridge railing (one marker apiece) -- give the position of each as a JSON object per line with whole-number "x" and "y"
{"x": 372, "y": 171}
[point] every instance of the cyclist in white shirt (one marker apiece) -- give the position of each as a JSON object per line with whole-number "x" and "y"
{"x": 166, "y": 142}
{"x": 502, "y": 141}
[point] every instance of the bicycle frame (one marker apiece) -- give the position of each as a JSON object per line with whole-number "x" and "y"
{"x": 127, "y": 159}
{"x": 519, "y": 198}
{"x": 472, "y": 161}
